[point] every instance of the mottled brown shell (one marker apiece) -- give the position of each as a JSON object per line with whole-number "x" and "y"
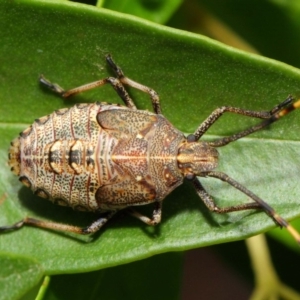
{"x": 98, "y": 157}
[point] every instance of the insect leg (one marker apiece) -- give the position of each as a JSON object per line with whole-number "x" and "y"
{"x": 156, "y": 216}
{"x": 95, "y": 226}
{"x": 271, "y": 116}
{"x": 258, "y": 201}
{"x": 211, "y": 205}
{"x": 98, "y": 224}
{"x": 115, "y": 83}
{"x": 275, "y": 117}
{"x": 125, "y": 80}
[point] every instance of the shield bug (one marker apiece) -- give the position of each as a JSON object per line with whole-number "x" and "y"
{"x": 105, "y": 157}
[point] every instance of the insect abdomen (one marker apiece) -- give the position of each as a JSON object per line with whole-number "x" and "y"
{"x": 56, "y": 157}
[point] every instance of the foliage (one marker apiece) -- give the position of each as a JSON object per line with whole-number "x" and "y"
{"x": 193, "y": 75}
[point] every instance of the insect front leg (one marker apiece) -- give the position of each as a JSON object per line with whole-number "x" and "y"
{"x": 271, "y": 116}
{"x": 258, "y": 204}
{"x": 211, "y": 205}
{"x": 156, "y": 215}
{"x": 95, "y": 226}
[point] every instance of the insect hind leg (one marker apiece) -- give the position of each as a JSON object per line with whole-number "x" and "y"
{"x": 117, "y": 84}
{"x": 94, "y": 227}
{"x": 114, "y": 82}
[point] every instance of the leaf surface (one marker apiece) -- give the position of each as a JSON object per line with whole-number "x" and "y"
{"x": 193, "y": 75}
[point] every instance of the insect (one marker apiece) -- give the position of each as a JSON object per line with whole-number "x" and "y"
{"x": 106, "y": 157}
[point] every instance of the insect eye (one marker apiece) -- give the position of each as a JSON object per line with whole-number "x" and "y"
{"x": 191, "y": 138}
{"x": 190, "y": 176}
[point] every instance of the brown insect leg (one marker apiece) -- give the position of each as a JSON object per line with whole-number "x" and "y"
{"x": 282, "y": 111}
{"x": 259, "y": 202}
{"x": 273, "y": 115}
{"x": 211, "y": 205}
{"x": 115, "y": 83}
{"x": 97, "y": 225}
{"x": 156, "y": 216}
{"x": 58, "y": 226}
{"x": 125, "y": 80}
{"x": 52, "y": 86}
{"x": 41, "y": 223}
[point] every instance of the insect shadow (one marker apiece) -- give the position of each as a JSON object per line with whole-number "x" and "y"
{"x": 182, "y": 200}
{"x": 45, "y": 209}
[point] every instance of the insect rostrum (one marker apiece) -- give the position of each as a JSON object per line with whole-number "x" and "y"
{"x": 105, "y": 157}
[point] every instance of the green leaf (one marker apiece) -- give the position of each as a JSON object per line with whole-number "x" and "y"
{"x": 17, "y": 275}
{"x": 152, "y": 10}
{"x": 193, "y": 75}
{"x": 272, "y": 27}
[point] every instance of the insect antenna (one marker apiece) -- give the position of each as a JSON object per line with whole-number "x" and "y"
{"x": 263, "y": 205}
